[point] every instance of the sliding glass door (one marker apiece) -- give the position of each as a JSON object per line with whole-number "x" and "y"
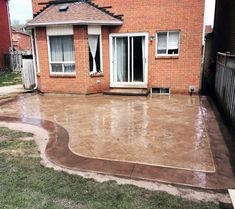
{"x": 129, "y": 63}
{"x": 121, "y": 59}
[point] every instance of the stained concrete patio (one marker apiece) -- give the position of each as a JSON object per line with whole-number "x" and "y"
{"x": 160, "y": 138}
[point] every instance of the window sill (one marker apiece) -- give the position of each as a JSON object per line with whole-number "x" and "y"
{"x": 95, "y": 75}
{"x": 62, "y": 75}
{"x": 167, "y": 57}
{"x": 38, "y": 74}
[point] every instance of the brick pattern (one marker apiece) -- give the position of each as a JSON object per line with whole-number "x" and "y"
{"x": 139, "y": 16}
{"x": 82, "y": 83}
{"x": 36, "y": 6}
{"x": 162, "y": 15}
{"x": 5, "y": 40}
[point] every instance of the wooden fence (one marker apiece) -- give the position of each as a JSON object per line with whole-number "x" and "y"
{"x": 16, "y": 61}
{"x": 28, "y": 74}
{"x": 225, "y": 86}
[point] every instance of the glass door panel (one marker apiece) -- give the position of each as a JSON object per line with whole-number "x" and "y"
{"x": 138, "y": 59}
{"x": 121, "y": 59}
{"x": 129, "y": 59}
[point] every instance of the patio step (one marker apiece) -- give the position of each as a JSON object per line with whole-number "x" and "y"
{"x": 127, "y": 92}
{"x": 232, "y": 196}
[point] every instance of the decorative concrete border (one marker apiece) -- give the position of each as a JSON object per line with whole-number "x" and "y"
{"x": 58, "y": 152}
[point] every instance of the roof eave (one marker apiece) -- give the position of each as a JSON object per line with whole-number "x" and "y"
{"x": 105, "y": 23}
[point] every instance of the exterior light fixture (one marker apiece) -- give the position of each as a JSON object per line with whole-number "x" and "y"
{"x": 151, "y": 38}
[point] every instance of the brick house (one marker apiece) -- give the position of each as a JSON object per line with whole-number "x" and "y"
{"x": 5, "y": 34}
{"x": 21, "y": 40}
{"x": 91, "y": 46}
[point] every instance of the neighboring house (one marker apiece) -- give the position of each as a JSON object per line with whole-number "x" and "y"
{"x": 224, "y": 27}
{"x": 92, "y": 46}
{"x": 21, "y": 40}
{"x": 207, "y": 53}
{"x": 221, "y": 39}
{"x": 5, "y": 34}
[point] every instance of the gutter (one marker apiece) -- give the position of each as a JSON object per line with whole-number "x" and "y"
{"x": 108, "y": 23}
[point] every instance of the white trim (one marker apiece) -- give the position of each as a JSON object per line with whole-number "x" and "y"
{"x": 112, "y": 60}
{"x": 132, "y": 60}
{"x": 79, "y": 22}
{"x": 94, "y": 30}
{"x": 128, "y": 60}
{"x": 66, "y": 33}
{"x": 101, "y": 52}
{"x": 60, "y": 30}
{"x": 167, "y": 55}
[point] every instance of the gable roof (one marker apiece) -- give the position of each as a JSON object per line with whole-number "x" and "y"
{"x": 17, "y": 30}
{"x": 78, "y": 13}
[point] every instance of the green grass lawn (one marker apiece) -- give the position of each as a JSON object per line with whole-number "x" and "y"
{"x": 26, "y": 184}
{"x": 10, "y": 78}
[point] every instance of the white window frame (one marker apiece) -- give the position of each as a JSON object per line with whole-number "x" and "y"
{"x": 167, "y": 55}
{"x": 59, "y": 31}
{"x": 97, "y": 30}
{"x": 143, "y": 84}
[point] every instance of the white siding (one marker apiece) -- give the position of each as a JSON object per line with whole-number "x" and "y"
{"x": 59, "y": 30}
{"x": 94, "y": 30}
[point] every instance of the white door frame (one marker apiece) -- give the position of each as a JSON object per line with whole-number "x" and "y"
{"x": 128, "y": 84}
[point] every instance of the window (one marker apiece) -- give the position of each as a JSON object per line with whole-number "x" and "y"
{"x": 168, "y": 43}
{"x": 94, "y": 53}
{"x": 95, "y": 48}
{"x": 62, "y": 54}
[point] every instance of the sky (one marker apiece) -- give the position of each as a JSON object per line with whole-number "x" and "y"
{"x": 22, "y": 10}
{"x": 209, "y": 12}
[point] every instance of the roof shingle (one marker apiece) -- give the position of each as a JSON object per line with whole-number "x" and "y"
{"x": 78, "y": 13}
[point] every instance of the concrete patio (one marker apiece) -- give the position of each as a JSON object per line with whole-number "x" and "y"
{"x": 175, "y": 139}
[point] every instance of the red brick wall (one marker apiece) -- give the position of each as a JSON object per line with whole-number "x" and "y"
{"x": 159, "y": 15}
{"x": 81, "y": 83}
{"x": 5, "y": 40}
{"x": 139, "y": 16}
{"x": 21, "y": 41}
{"x": 36, "y": 7}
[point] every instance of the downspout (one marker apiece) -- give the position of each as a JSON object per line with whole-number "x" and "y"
{"x": 34, "y": 61}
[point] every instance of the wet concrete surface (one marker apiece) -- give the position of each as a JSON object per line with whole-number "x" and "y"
{"x": 160, "y": 138}
{"x": 160, "y": 131}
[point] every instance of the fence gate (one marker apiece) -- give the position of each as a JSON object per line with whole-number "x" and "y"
{"x": 28, "y": 74}
{"x": 16, "y": 61}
